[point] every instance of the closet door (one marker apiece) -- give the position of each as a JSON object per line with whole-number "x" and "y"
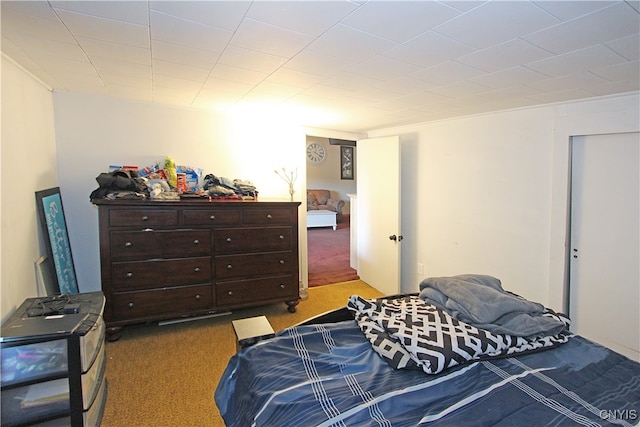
{"x": 604, "y": 302}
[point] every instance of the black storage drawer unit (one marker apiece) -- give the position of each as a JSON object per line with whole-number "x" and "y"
{"x": 53, "y": 364}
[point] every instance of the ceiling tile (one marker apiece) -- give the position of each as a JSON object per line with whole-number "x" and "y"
{"x": 308, "y": 17}
{"x": 463, "y": 5}
{"x": 399, "y": 20}
{"x": 629, "y": 46}
{"x": 236, "y": 74}
{"x": 255, "y": 35}
{"x": 115, "y": 51}
{"x": 383, "y": 68}
{"x": 448, "y": 72}
{"x": 570, "y": 94}
{"x": 225, "y": 15}
{"x": 251, "y": 59}
{"x": 459, "y": 89}
{"x": 173, "y": 69}
{"x": 559, "y": 84}
{"x": 295, "y": 78}
{"x": 429, "y": 49}
{"x": 613, "y": 88}
{"x": 183, "y": 55}
{"x": 38, "y": 47}
{"x": 611, "y": 23}
{"x": 505, "y": 55}
{"x": 44, "y": 26}
{"x": 511, "y": 77}
{"x": 496, "y": 22}
{"x": 107, "y": 65}
{"x": 575, "y": 62}
{"x": 171, "y": 29}
{"x": 317, "y": 63}
{"x": 347, "y": 43}
{"x": 567, "y": 10}
{"x": 227, "y": 88}
{"x": 619, "y": 72}
{"x": 105, "y": 29}
{"x": 133, "y": 12}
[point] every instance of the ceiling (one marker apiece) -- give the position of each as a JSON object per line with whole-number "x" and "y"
{"x": 346, "y": 65}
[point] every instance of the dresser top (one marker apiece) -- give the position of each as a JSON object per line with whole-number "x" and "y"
{"x": 203, "y": 202}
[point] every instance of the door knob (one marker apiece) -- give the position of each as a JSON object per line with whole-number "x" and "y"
{"x": 393, "y": 237}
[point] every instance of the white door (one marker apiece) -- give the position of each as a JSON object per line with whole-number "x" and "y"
{"x": 604, "y": 290}
{"x": 378, "y": 222}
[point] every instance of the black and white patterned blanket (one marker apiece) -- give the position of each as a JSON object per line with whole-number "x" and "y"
{"x": 410, "y": 333}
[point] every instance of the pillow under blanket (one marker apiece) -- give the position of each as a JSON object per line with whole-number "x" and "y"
{"x": 409, "y": 333}
{"x": 480, "y": 300}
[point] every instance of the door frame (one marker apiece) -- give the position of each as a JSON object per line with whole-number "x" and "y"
{"x": 584, "y": 122}
{"x": 303, "y": 241}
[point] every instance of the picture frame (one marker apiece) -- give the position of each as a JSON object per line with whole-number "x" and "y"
{"x": 54, "y": 228}
{"x": 346, "y": 162}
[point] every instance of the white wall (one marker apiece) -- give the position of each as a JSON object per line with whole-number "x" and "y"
{"x": 28, "y": 165}
{"x": 94, "y": 132}
{"x": 487, "y": 194}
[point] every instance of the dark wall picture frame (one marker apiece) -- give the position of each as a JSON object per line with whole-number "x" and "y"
{"x": 54, "y": 228}
{"x": 346, "y": 162}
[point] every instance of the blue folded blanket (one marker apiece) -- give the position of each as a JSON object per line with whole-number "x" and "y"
{"x": 479, "y": 300}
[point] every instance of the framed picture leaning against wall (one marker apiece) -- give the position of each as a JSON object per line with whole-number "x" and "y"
{"x": 56, "y": 238}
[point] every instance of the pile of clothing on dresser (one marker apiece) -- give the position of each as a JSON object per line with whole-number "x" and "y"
{"x": 169, "y": 183}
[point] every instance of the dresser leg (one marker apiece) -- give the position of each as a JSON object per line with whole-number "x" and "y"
{"x": 292, "y": 305}
{"x": 113, "y": 333}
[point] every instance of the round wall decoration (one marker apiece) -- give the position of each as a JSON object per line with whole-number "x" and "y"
{"x": 316, "y": 152}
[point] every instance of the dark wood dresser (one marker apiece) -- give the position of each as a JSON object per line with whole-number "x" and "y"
{"x": 164, "y": 260}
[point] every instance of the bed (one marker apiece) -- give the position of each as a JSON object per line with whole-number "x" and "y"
{"x": 409, "y": 360}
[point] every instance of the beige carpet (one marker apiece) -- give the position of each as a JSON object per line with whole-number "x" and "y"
{"x": 166, "y": 375}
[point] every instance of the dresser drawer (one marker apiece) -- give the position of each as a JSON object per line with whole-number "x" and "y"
{"x": 232, "y": 240}
{"x": 212, "y": 217}
{"x": 159, "y": 244}
{"x": 142, "y": 217}
{"x": 160, "y": 273}
{"x": 129, "y": 305}
{"x": 241, "y": 291}
{"x": 273, "y": 216}
{"x": 262, "y": 264}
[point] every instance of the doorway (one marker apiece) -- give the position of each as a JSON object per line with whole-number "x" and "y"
{"x": 328, "y": 249}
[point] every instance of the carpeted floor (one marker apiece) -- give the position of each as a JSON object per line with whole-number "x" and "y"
{"x": 165, "y": 376}
{"x": 329, "y": 252}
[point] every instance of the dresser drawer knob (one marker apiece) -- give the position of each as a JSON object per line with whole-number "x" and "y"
{"x": 196, "y": 242}
{"x": 197, "y": 269}
{"x": 198, "y": 296}
{"x": 129, "y": 275}
{"x": 230, "y": 293}
{"x": 229, "y": 266}
{"x": 228, "y": 239}
{"x": 130, "y": 305}
{"x": 282, "y": 286}
{"x": 128, "y": 244}
{"x": 281, "y": 237}
{"x": 145, "y": 218}
{"x": 212, "y": 217}
{"x": 269, "y": 216}
{"x": 282, "y": 261}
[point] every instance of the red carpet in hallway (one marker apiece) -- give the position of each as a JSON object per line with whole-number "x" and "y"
{"x": 329, "y": 255}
